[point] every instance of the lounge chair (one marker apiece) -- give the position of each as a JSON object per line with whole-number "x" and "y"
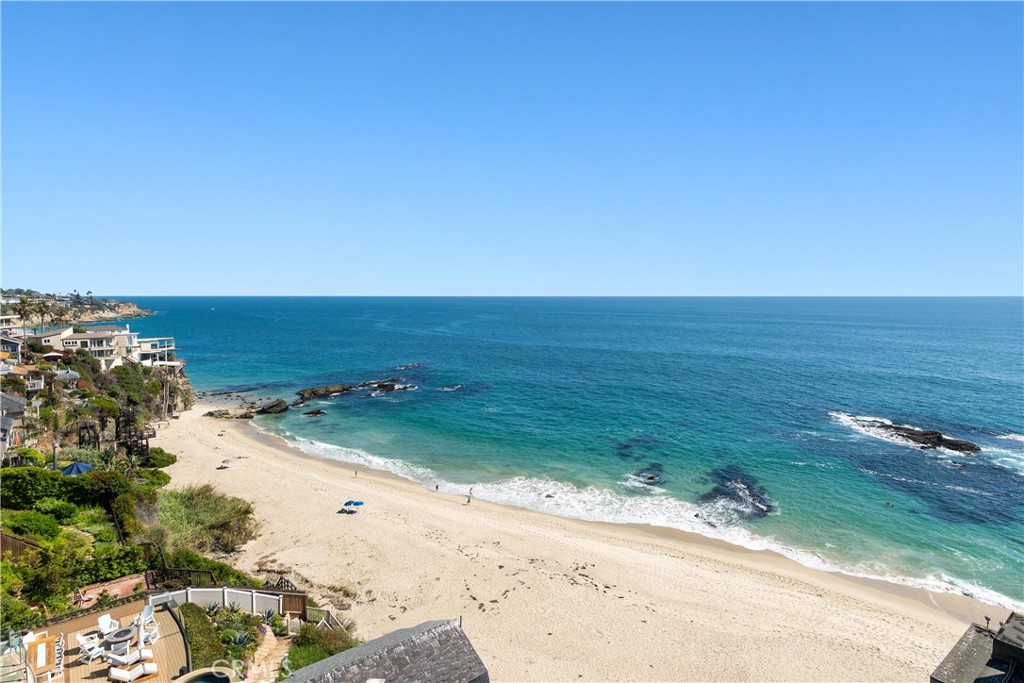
{"x": 141, "y": 672}
{"x": 90, "y": 648}
{"x": 147, "y": 618}
{"x": 149, "y": 636}
{"x": 107, "y": 625}
{"x": 131, "y": 657}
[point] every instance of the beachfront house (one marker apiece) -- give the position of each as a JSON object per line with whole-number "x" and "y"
{"x": 53, "y": 338}
{"x": 983, "y": 655}
{"x": 155, "y": 349}
{"x": 101, "y": 345}
{"x": 434, "y": 651}
{"x": 10, "y": 349}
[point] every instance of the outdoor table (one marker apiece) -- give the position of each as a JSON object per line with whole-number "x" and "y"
{"x": 42, "y": 655}
{"x": 120, "y": 635}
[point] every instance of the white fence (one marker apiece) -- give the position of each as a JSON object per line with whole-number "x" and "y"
{"x": 250, "y": 601}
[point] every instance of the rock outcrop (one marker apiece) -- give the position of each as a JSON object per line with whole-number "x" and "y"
{"x": 278, "y": 405}
{"x": 925, "y": 438}
{"x": 334, "y": 389}
{"x": 314, "y": 413}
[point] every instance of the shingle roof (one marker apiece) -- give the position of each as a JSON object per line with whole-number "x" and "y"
{"x": 433, "y": 652}
{"x": 12, "y": 404}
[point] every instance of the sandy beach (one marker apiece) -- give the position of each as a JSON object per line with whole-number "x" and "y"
{"x": 550, "y": 599}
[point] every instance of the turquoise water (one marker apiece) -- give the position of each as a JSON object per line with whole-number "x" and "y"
{"x": 563, "y": 401}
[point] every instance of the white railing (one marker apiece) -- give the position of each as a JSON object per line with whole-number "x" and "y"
{"x": 251, "y": 601}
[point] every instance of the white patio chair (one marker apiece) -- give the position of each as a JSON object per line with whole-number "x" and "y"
{"x": 150, "y": 636}
{"x": 90, "y": 648}
{"x": 120, "y": 649}
{"x": 107, "y": 625}
{"x": 132, "y": 657}
{"x": 147, "y": 618}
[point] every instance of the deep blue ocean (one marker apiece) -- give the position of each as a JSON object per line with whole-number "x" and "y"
{"x": 740, "y": 410}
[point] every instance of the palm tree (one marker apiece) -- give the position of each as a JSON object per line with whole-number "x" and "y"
{"x": 24, "y": 309}
{"x": 42, "y": 310}
{"x": 61, "y": 315}
{"x": 89, "y": 294}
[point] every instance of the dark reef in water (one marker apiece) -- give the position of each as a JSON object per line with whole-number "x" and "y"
{"x": 628, "y": 448}
{"x": 926, "y": 438}
{"x": 736, "y": 485}
{"x": 650, "y": 475}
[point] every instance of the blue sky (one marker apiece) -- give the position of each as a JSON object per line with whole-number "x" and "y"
{"x": 514, "y": 149}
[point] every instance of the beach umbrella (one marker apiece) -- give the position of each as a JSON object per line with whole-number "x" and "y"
{"x": 76, "y": 468}
{"x": 357, "y": 502}
{"x": 348, "y": 502}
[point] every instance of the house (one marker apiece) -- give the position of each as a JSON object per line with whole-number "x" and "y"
{"x": 8, "y": 323}
{"x": 53, "y": 338}
{"x": 12, "y": 410}
{"x": 10, "y": 349}
{"x": 433, "y": 652}
{"x": 101, "y": 345}
{"x": 983, "y": 655}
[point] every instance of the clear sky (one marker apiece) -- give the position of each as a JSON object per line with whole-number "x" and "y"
{"x": 514, "y": 149}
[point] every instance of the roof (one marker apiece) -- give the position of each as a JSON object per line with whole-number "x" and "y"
{"x": 971, "y": 660}
{"x": 53, "y": 353}
{"x": 11, "y": 340}
{"x": 107, "y": 328}
{"x": 90, "y": 335}
{"x": 12, "y": 404}
{"x": 433, "y": 651}
{"x": 51, "y": 333}
{"x": 67, "y": 376}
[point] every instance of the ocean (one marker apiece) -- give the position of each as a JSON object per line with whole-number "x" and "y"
{"x": 759, "y": 421}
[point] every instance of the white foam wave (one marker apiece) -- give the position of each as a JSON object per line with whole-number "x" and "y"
{"x": 598, "y": 504}
{"x": 1012, "y": 437}
{"x": 328, "y": 451}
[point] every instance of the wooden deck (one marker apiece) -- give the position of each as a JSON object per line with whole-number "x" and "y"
{"x": 168, "y": 650}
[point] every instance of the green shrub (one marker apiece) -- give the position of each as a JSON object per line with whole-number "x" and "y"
{"x": 154, "y": 478}
{"x": 18, "y": 616}
{"x": 13, "y": 385}
{"x": 113, "y": 562}
{"x": 34, "y": 457}
{"x": 158, "y": 457}
{"x": 105, "y": 406}
{"x": 32, "y": 524}
{"x": 22, "y": 487}
{"x": 98, "y": 487}
{"x": 313, "y": 644}
{"x": 204, "y": 643}
{"x": 92, "y": 456}
{"x": 96, "y": 522}
{"x": 123, "y": 510}
{"x": 62, "y": 511}
{"x": 222, "y": 573}
{"x": 202, "y": 519}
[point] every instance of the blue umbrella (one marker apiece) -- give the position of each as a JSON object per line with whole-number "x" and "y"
{"x": 348, "y": 502}
{"x": 358, "y": 502}
{"x": 76, "y": 468}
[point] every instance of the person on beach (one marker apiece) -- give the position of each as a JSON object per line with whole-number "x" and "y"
{"x": 470, "y": 496}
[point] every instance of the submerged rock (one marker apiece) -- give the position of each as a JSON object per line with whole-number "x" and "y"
{"x": 650, "y": 475}
{"x": 739, "y": 487}
{"x": 314, "y": 413}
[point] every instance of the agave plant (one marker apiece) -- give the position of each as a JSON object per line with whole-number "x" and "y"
{"x": 233, "y": 608}
{"x": 268, "y": 616}
{"x": 242, "y": 639}
{"x": 212, "y": 608}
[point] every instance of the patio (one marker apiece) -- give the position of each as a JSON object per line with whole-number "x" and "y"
{"x": 168, "y": 650}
